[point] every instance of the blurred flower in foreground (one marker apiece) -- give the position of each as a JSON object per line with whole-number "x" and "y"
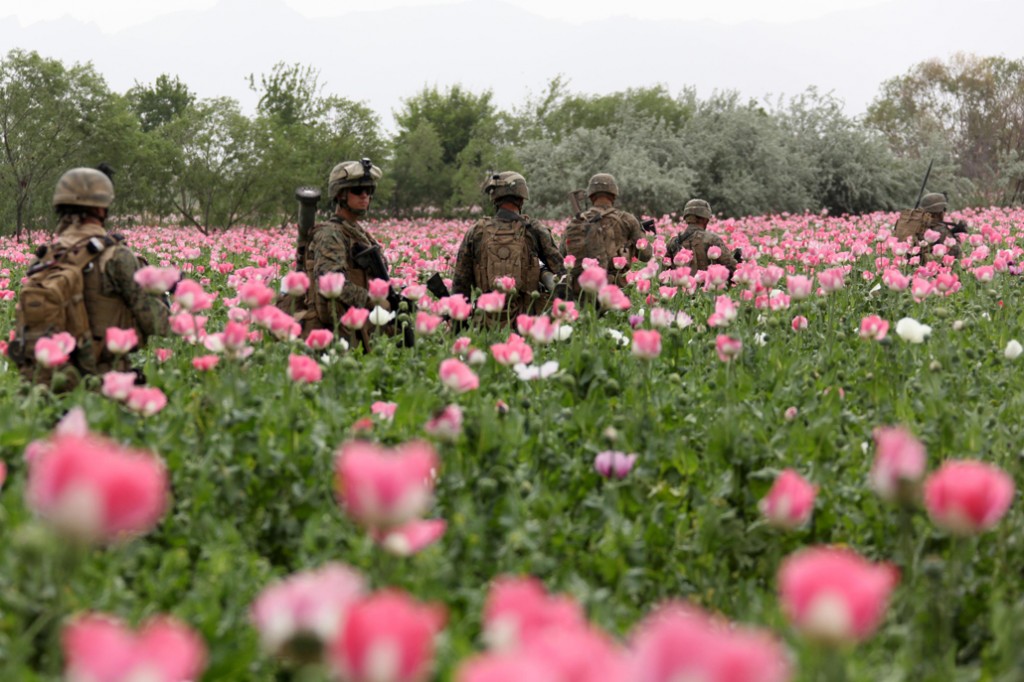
{"x": 967, "y": 497}
{"x": 98, "y": 648}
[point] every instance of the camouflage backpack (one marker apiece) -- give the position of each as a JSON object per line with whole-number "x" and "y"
{"x": 911, "y": 223}
{"x": 52, "y": 301}
{"x": 594, "y": 234}
{"x": 505, "y": 252}
{"x": 691, "y": 240}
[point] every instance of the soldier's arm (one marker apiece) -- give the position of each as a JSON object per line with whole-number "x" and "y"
{"x": 462, "y": 279}
{"x": 331, "y": 255}
{"x": 546, "y": 250}
{"x": 149, "y": 311}
{"x": 636, "y": 233}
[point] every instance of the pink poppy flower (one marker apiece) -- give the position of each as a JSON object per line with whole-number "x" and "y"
{"x": 304, "y": 369}
{"x": 99, "y": 648}
{"x": 457, "y": 376}
{"x": 411, "y": 537}
{"x": 612, "y": 463}
{"x": 967, "y": 497}
{"x": 147, "y": 401}
{"x": 646, "y": 344}
{"x": 295, "y": 283}
{"x": 155, "y": 280}
{"x": 383, "y": 488}
{"x": 446, "y": 425}
{"x": 205, "y": 363}
{"x": 835, "y": 596}
{"x": 117, "y": 385}
{"x": 727, "y": 347}
{"x": 355, "y": 318}
{"x": 899, "y": 464}
{"x": 790, "y": 501}
{"x": 319, "y": 339}
{"x": 873, "y": 327}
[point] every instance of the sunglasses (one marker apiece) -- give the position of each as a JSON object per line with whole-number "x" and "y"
{"x": 360, "y": 191}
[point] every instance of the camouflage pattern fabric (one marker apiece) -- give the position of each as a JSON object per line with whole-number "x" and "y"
{"x": 698, "y": 240}
{"x": 541, "y": 243}
{"x": 112, "y": 297}
{"x": 944, "y": 234}
{"x": 624, "y": 233}
{"x": 331, "y": 249}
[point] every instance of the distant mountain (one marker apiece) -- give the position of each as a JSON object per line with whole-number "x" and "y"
{"x": 382, "y": 56}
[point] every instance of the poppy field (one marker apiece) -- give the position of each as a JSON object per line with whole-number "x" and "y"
{"x": 809, "y": 474}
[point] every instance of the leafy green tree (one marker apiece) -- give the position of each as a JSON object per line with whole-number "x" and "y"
{"x": 454, "y": 118}
{"x": 157, "y": 104}
{"x": 52, "y": 118}
{"x": 968, "y": 110}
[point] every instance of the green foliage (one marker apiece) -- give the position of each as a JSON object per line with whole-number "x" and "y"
{"x": 160, "y": 103}
{"x": 967, "y": 109}
{"x": 53, "y": 118}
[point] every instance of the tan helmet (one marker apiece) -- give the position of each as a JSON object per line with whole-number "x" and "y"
{"x": 506, "y": 184}
{"x": 697, "y": 207}
{"x": 933, "y": 202}
{"x": 84, "y": 187}
{"x": 352, "y": 174}
{"x": 603, "y": 182}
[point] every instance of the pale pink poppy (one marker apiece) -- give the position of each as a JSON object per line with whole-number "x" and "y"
{"x": 154, "y": 280}
{"x": 382, "y": 488}
{"x": 426, "y": 323}
{"x": 507, "y": 667}
{"x": 146, "y": 400}
{"x": 646, "y": 344}
{"x": 98, "y": 648}
{"x": 899, "y": 464}
{"x": 727, "y": 347}
{"x": 790, "y": 501}
{"x": 295, "y": 284}
{"x": 191, "y": 296}
{"x": 835, "y": 596}
{"x": 873, "y": 327}
{"x": 117, "y": 385}
{"x": 163, "y": 354}
{"x": 255, "y": 294}
{"x": 299, "y": 616}
{"x": 412, "y": 537}
{"x": 593, "y": 279}
{"x": 383, "y": 410}
{"x": 304, "y": 369}
{"x": 799, "y": 287}
{"x": 331, "y": 284}
{"x": 967, "y": 497}
{"x": 50, "y": 352}
{"x": 355, "y": 318}
{"x": 611, "y": 463}
{"x": 93, "y": 489}
{"x": 520, "y": 609}
{"x": 378, "y": 289}
{"x": 205, "y": 363}
{"x": 388, "y": 637}
{"x": 799, "y": 323}
{"x": 491, "y": 302}
{"x": 446, "y": 425}
{"x": 319, "y": 339}
{"x": 457, "y": 376}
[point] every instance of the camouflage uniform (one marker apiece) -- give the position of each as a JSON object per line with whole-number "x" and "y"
{"x": 698, "y": 240}
{"x": 541, "y": 246}
{"x": 912, "y": 226}
{"x": 627, "y": 233}
{"x": 110, "y": 293}
{"x": 331, "y": 249}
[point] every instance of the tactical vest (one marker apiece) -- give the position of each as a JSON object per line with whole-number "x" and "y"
{"x": 692, "y": 240}
{"x": 505, "y": 251}
{"x": 318, "y": 313}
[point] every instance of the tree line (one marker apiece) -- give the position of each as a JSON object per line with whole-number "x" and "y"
{"x": 206, "y": 163}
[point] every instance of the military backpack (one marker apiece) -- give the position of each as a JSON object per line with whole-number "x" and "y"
{"x": 595, "y": 234}
{"x": 505, "y": 252}
{"x": 911, "y": 224}
{"x": 52, "y": 300}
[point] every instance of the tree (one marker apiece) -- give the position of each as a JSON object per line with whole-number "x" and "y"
{"x": 52, "y": 118}
{"x": 454, "y": 118}
{"x": 290, "y": 93}
{"x": 160, "y": 103}
{"x": 969, "y": 109}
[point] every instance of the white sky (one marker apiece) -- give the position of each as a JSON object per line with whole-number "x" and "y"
{"x": 114, "y": 15}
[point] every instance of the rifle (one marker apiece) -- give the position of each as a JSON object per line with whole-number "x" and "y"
{"x": 308, "y": 198}
{"x": 924, "y": 183}
{"x": 737, "y": 254}
{"x": 576, "y": 198}
{"x": 648, "y": 226}
{"x": 435, "y": 285}
{"x": 370, "y": 260}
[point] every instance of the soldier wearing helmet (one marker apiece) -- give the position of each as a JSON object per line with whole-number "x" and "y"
{"x": 506, "y": 245}
{"x": 342, "y": 245}
{"x": 604, "y": 233}
{"x": 934, "y": 206}
{"x": 110, "y": 294}
{"x": 704, "y": 248}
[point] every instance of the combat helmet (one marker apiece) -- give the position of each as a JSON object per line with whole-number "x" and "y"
{"x": 698, "y": 208}
{"x": 84, "y": 187}
{"x": 603, "y": 182}
{"x": 933, "y": 202}
{"x": 505, "y": 185}
{"x": 349, "y": 174}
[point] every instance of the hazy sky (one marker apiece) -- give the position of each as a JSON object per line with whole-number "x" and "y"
{"x": 113, "y": 15}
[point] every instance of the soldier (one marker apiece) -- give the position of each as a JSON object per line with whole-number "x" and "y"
{"x": 604, "y": 233}
{"x": 342, "y": 245}
{"x": 107, "y": 287}
{"x": 507, "y": 245}
{"x": 934, "y": 206}
{"x": 696, "y": 238}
